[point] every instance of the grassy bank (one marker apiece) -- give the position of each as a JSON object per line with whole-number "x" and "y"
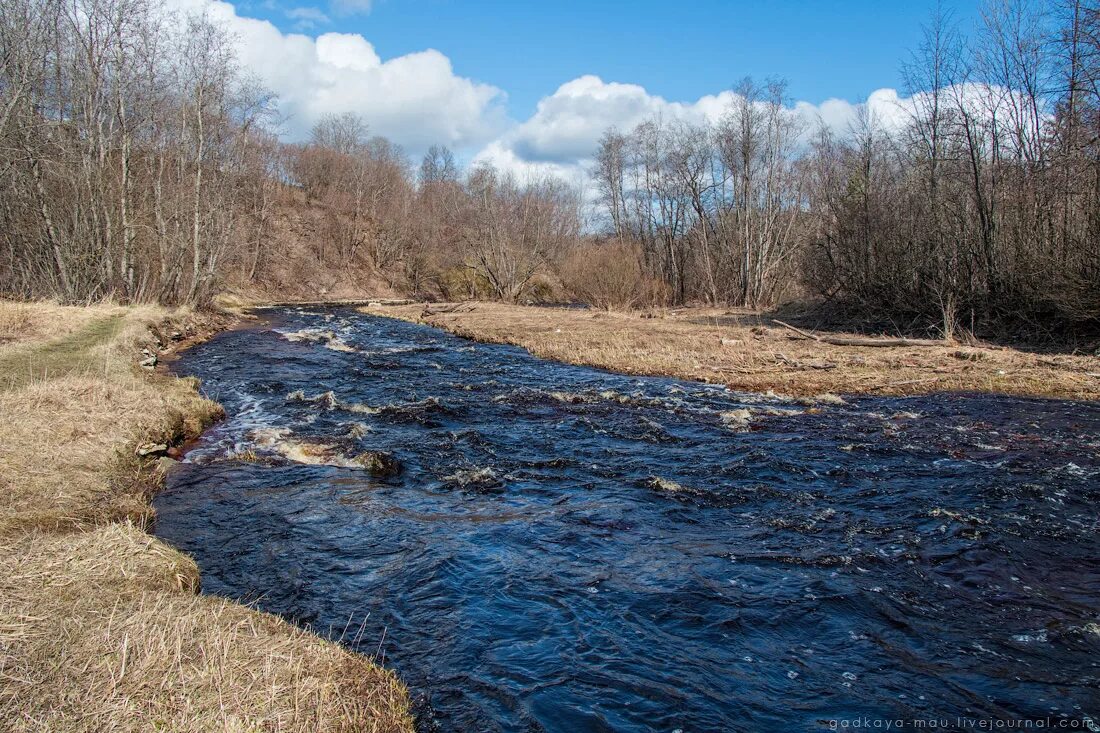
{"x": 101, "y": 626}
{"x": 752, "y": 352}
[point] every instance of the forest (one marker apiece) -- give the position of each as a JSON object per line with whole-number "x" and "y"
{"x": 140, "y": 163}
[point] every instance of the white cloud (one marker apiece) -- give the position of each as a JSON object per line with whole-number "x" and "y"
{"x": 504, "y": 158}
{"x": 568, "y": 124}
{"x": 416, "y": 100}
{"x": 307, "y": 17}
{"x": 562, "y": 136}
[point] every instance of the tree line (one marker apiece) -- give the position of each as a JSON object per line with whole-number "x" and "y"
{"x": 434, "y": 231}
{"x": 138, "y": 162}
{"x": 985, "y": 206}
{"x": 977, "y": 203}
{"x": 131, "y": 151}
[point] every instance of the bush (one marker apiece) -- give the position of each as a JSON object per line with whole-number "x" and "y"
{"x": 541, "y": 289}
{"x": 611, "y": 275}
{"x": 464, "y": 283}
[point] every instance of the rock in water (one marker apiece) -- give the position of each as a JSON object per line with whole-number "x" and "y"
{"x": 379, "y": 463}
{"x": 737, "y": 419}
{"x": 165, "y": 464}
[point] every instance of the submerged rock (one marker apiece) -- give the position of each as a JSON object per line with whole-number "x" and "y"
{"x": 737, "y": 419}
{"x": 358, "y": 430}
{"x": 379, "y": 463}
{"x": 481, "y": 477}
{"x": 321, "y": 453}
{"x": 325, "y": 399}
{"x": 166, "y": 464}
{"x": 678, "y": 491}
{"x": 328, "y": 339}
{"x": 663, "y": 484}
{"x": 329, "y": 401}
{"x": 957, "y": 516}
{"x": 826, "y": 398}
{"x": 567, "y": 397}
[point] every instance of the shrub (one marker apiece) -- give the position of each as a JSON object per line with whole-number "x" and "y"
{"x": 611, "y": 275}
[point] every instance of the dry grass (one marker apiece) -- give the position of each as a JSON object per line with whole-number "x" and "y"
{"x": 71, "y": 406}
{"x": 100, "y": 627}
{"x": 25, "y": 324}
{"x": 750, "y": 352}
{"x": 78, "y": 353}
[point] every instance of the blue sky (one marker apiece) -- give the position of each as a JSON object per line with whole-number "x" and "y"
{"x": 680, "y": 51}
{"x": 531, "y": 86}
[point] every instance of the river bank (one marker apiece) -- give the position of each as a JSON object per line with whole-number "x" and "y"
{"x": 101, "y": 625}
{"x": 753, "y": 352}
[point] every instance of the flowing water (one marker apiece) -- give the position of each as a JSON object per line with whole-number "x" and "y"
{"x": 536, "y": 546}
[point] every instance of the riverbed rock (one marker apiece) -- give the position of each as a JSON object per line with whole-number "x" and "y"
{"x": 481, "y": 478}
{"x": 379, "y": 463}
{"x": 358, "y": 430}
{"x": 166, "y": 464}
{"x": 737, "y": 419}
{"x": 663, "y": 484}
{"x": 151, "y": 449}
{"x": 149, "y": 362}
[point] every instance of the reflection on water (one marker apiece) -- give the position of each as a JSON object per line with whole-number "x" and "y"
{"x": 535, "y": 546}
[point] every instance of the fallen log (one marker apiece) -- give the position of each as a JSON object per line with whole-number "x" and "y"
{"x": 861, "y": 341}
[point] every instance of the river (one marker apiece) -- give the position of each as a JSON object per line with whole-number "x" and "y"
{"x": 535, "y": 546}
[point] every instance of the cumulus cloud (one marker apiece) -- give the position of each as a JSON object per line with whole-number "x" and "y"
{"x": 562, "y": 136}
{"x": 504, "y": 158}
{"x": 415, "y": 100}
{"x": 567, "y": 124}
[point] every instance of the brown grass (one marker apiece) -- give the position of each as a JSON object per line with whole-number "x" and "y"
{"x": 100, "y": 626}
{"x": 25, "y": 324}
{"x": 750, "y": 352}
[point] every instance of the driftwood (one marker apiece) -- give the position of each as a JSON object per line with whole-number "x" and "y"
{"x": 860, "y": 341}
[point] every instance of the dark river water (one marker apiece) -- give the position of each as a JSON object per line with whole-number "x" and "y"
{"x": 542, "y": 547}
